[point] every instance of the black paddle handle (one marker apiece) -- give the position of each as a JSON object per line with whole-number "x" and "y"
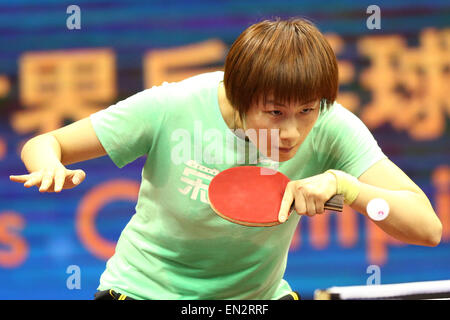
{"x": 336, "y": 203}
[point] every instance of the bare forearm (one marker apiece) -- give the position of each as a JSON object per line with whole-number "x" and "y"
{"x": 411, "y": 217}
{"x": 41, "y": 151}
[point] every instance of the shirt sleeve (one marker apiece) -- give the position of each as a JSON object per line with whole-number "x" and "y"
{"x": 346, "y": 143}
{"x": 128, "y": 128}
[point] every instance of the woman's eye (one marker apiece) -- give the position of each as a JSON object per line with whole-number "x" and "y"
{"x": 275, "y": 113}
{"x": 306, "y": 111}
{"x": 278, "y": 113}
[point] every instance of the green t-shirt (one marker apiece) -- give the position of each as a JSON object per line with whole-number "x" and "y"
{"x": 175, "y": 246}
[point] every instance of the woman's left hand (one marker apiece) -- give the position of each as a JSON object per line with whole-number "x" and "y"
{"x": 309, "y": 194}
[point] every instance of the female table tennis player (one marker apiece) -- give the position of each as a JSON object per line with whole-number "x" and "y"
{"x": 279, "y": 74}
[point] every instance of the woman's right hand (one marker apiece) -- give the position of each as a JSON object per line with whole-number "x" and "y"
{"x": 52, "y": 179}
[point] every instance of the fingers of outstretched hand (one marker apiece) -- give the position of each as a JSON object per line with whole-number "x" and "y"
{"x": 78, "y": 176}
{"x": 33, "y": 179}
{"x": 27, "y": 179}
{"x": 43, "y": 179}
{"x": 47, "y": 179}
{"x": 51, "y": 179}
{"x": 19, "y": 178}
{"x": 60, "y": 178}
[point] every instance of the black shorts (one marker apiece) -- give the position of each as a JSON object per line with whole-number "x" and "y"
{"x": 110, "y": 295}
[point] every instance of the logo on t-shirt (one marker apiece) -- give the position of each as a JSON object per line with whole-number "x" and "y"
{"x": 197, "y": 178}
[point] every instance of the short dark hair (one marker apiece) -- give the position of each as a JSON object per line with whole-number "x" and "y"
{"x": 290, "y": 59}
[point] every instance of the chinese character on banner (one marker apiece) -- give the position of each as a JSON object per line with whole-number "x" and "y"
{"x": 176, "y": 64}
{"x": 194, "y": 175}
{"x": 59, "y": 85}
{"x": 408, "y": 85}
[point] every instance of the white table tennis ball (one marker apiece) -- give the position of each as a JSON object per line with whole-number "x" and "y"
{"x": 378, "y": 209}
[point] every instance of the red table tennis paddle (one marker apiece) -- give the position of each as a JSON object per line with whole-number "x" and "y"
{"x": 252, "y": 196}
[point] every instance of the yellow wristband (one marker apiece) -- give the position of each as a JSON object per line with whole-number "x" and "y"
{"x": 346, "y": 185}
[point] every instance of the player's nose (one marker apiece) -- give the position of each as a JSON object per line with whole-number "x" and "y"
{"x": 290, "y": 132}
